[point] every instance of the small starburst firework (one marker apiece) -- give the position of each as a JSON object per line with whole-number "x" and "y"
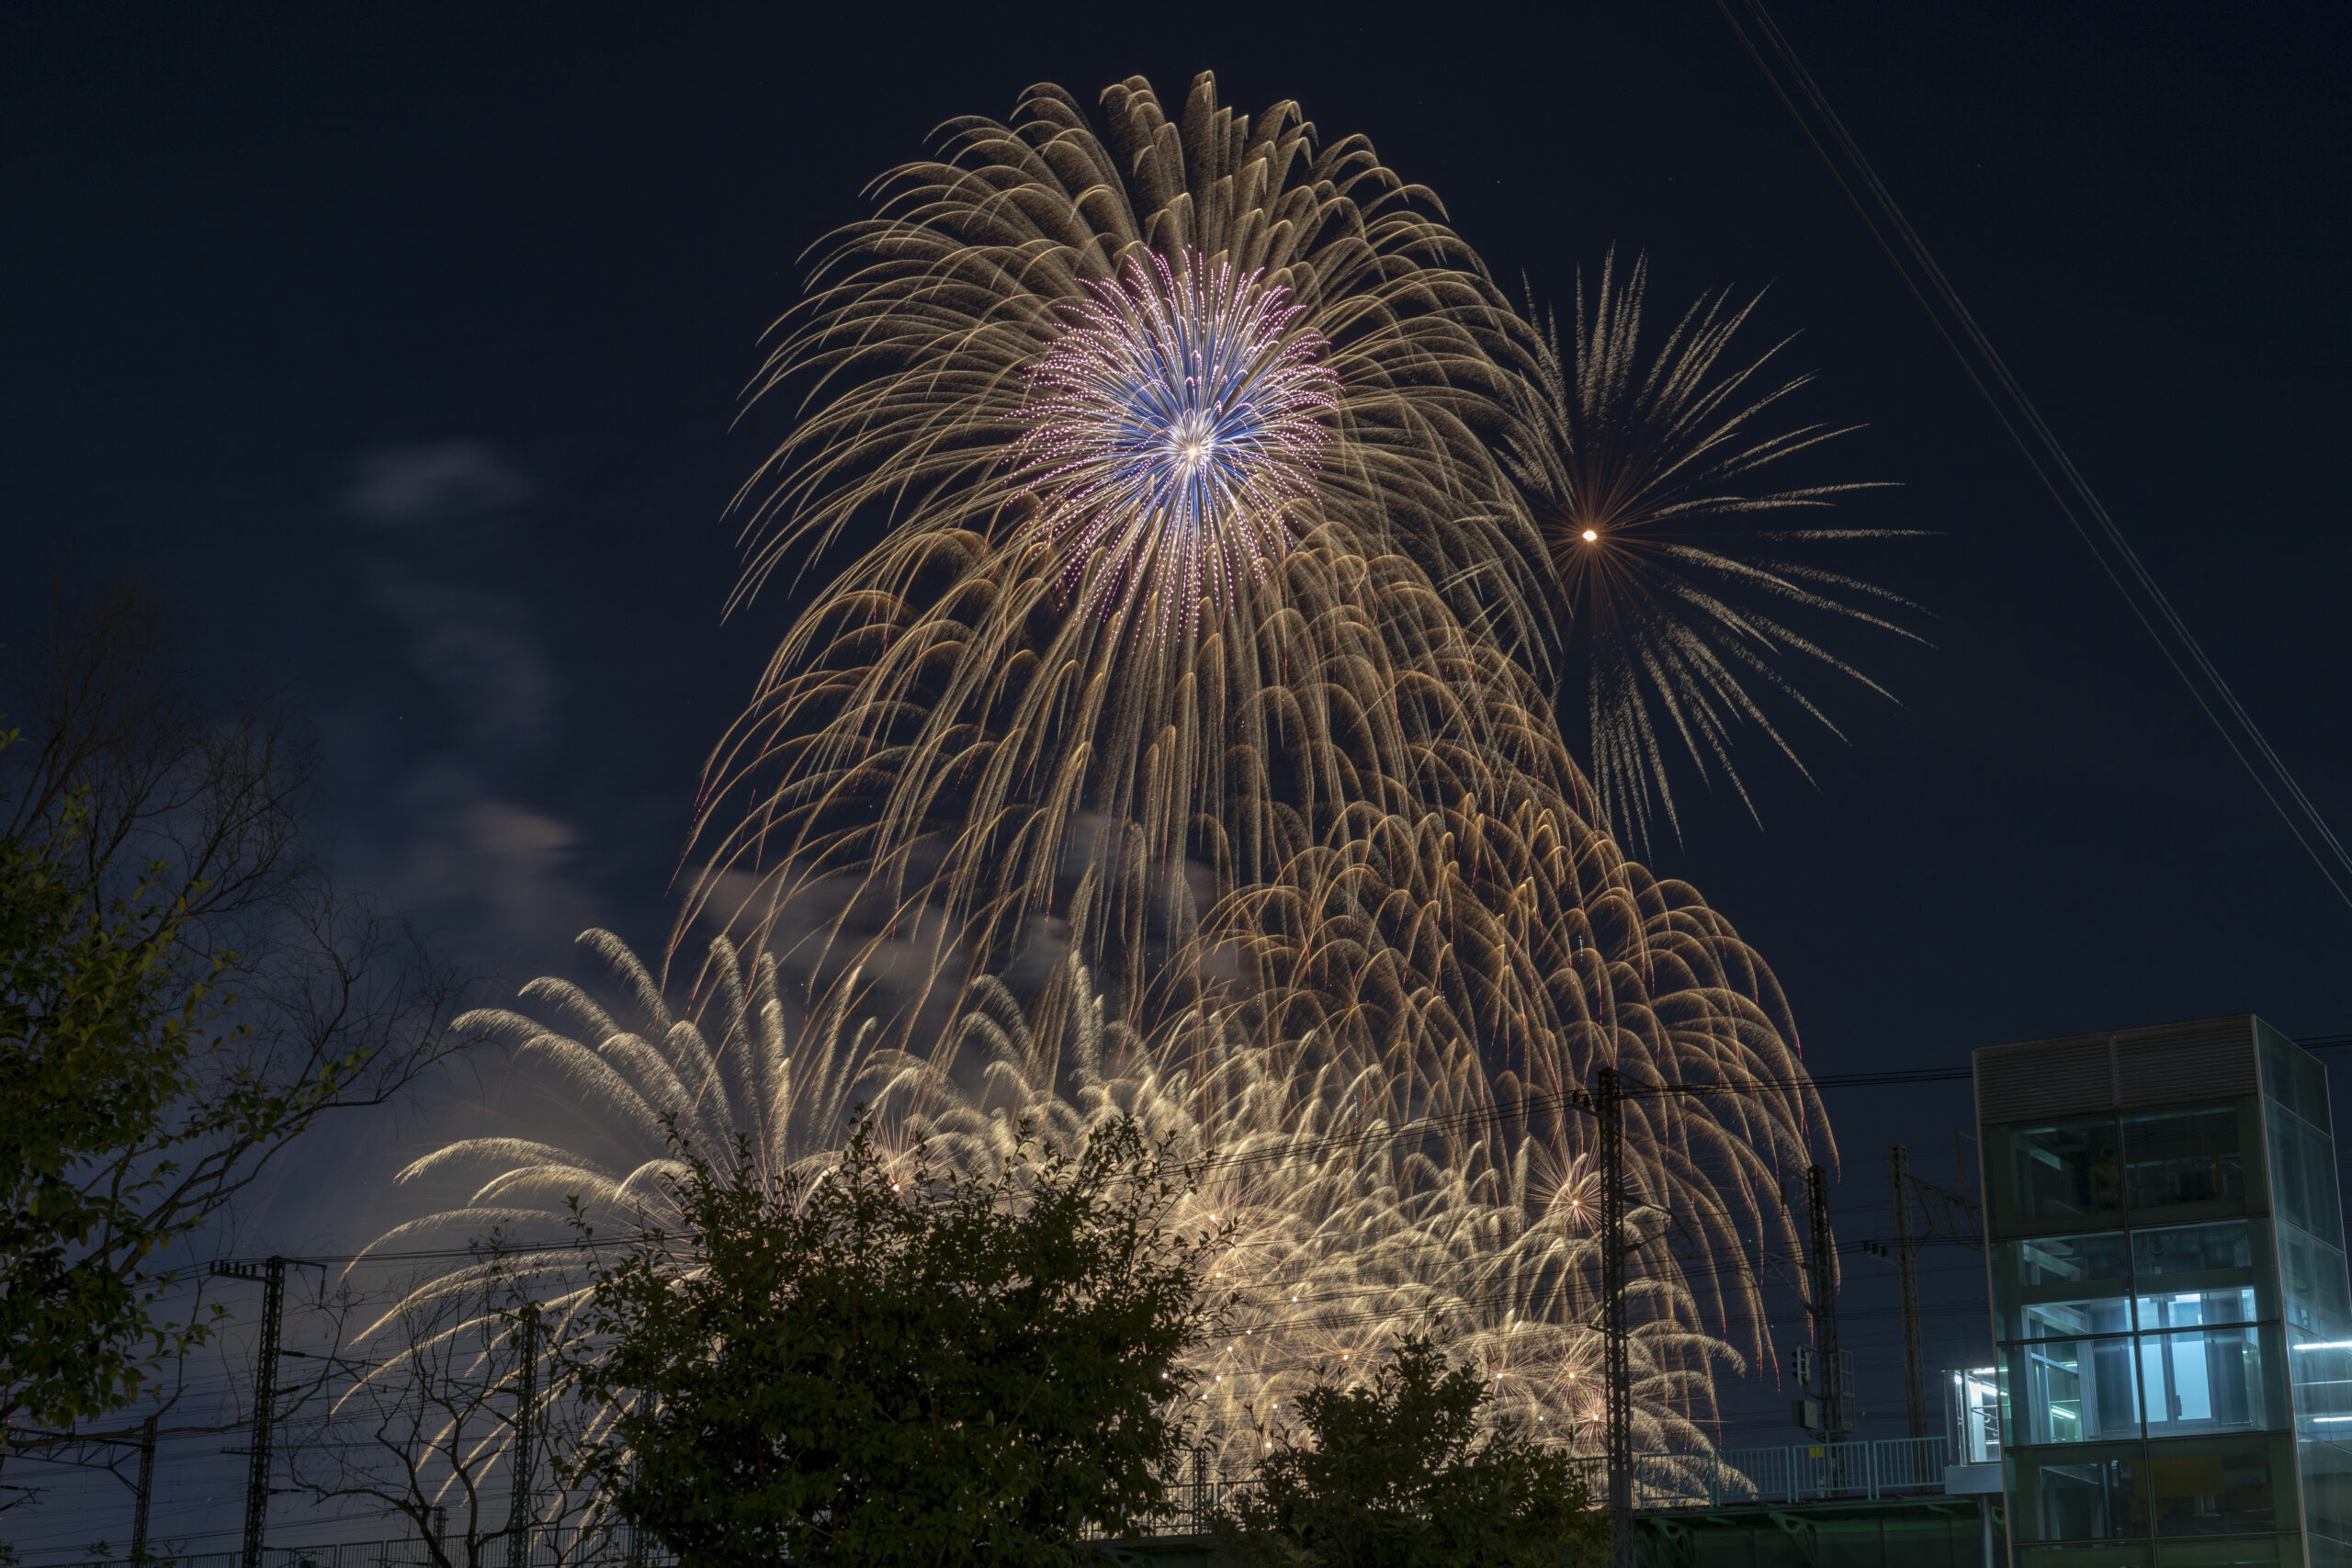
{"x": 1639, "y": 466}
{"x": 1172, "y": 432}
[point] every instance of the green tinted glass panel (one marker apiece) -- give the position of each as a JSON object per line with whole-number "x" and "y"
{"x": 2257, "y": 1551}
{"x": 2229, "y": 1486}
{"x": 2070, "y": 1320}
{"x": 2085, "y": 1554}
{"x": 2293, "y": 1076}
{"x": 2079, "y": 1495}
{"x": 2320, "y": 1373}
{"x": 2060, "y": 1272}
{"x": 2175, "y": 1157}
{"x": 2326, "y": 1469}
{"x": 2063, "y": 1170}
{"x": 2303, "y": 1174}
{"x": 2198, "y": 1309}
{"x": 2208, "y": 1380}
{"x": 2075, "y": 1391}
{"x": 2192, "y": 1249}
{"x": 2072, "y": 1260}
{"x": 2312, "y": 1273}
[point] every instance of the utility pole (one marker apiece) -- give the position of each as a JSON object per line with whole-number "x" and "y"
{"x": 271, "y": 1272}
{"x": 518, "y": 1512}
{"x": 1609, "y": 1106}
{"x": 1906, "y": 1273}
{"x": 146, "y": 1491}
{"x": 1835, "y": 1379}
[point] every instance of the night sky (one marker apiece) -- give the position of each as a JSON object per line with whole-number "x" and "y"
{"x": 402, "y": 357}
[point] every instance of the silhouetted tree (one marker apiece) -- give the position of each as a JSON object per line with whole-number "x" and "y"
{"x": 880, "y": 1363}
{"x": 1396, "y": 1473}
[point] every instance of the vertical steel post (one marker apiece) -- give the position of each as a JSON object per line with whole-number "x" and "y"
{"x": 1834, "y": 1425}
{"x": 271, "y": 1272}
{"x": 1907, "y": 1267}
{"x": 272, "y": 1316}
{"x": 1610, "y": 1110}
{"x": 146, "y": 1490}
{"x": 520, "y": 1456}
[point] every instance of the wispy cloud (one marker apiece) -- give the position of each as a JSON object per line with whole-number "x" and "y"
{"x": 477, "y": 646}
{"x": 464, "y": 847}
{"x": 434, "y": 482}
{"x": 499, "y": 870}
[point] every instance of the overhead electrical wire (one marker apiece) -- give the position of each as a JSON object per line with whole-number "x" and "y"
{"x": 2039, "y": 445}
{"x": 1889, "y": 1078}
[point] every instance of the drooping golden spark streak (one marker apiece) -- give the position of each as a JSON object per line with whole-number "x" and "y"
{"x": 1305, "y": 876}
{"x": 1639, "y": 466}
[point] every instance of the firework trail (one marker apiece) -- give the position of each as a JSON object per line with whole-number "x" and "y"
{"x": 1343, "y": 1231}
{"x": 1319, "y": 816}
{"x": 1636, "y": 468}
{"x": 1167, "y": 753}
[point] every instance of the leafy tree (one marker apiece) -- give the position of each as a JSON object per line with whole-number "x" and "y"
{"x": 885, "y": 1364}
{"x": 182, "y": 991}
{"x": 1397, "y": 1474}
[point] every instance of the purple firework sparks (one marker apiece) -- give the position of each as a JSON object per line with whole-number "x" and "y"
{"x": 1173, "y": 427}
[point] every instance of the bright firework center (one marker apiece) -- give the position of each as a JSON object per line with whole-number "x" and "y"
{"x": 2170, "y": 1299}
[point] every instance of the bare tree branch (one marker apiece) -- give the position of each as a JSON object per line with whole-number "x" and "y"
{"x": 184, "y": 990}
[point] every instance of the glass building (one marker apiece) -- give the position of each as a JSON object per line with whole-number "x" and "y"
{"x": 2170, "y": 1299}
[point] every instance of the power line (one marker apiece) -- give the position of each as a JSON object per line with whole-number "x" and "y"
{"x": 1556, "y": 1100}
{"x": 2066, "y": 484}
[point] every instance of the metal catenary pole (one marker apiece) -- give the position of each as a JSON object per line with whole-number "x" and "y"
{"x": 1834, "y": 1421}
{"x": 1609, "y": 1106}
{"x": 518, "y": 1513}
{"x": 1907, "y": 1267}
{"x": 146, "y": 1493}
{"x": 271, "y": 1272}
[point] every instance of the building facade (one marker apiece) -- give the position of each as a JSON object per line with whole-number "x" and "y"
{"x": 2170, "y": 1299}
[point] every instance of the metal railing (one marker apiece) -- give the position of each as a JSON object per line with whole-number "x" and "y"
{"x": 566, "y": 1546}
{"x": 1729, "y": 1478}
{"x": 1798, "y": 1473}
{"x": 1194, "y": 1509}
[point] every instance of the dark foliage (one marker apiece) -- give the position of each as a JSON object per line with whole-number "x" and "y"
{"x": 883, "y": 1364}
{"x": 182, "y": 991}
{"x": 1396, "y": 1474}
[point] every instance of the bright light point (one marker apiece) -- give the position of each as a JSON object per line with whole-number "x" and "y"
{"x": 1590, "y": 535}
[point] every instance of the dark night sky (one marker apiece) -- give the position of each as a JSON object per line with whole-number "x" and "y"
{"x": 402, "y": 356}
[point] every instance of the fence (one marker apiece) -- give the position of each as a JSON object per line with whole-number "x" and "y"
{"x": 1800, "y": 1472}
{"x": 562, "y": 1548}
{"x": 1730, "y": 1478}
{"x": 1195, "y": 1504}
